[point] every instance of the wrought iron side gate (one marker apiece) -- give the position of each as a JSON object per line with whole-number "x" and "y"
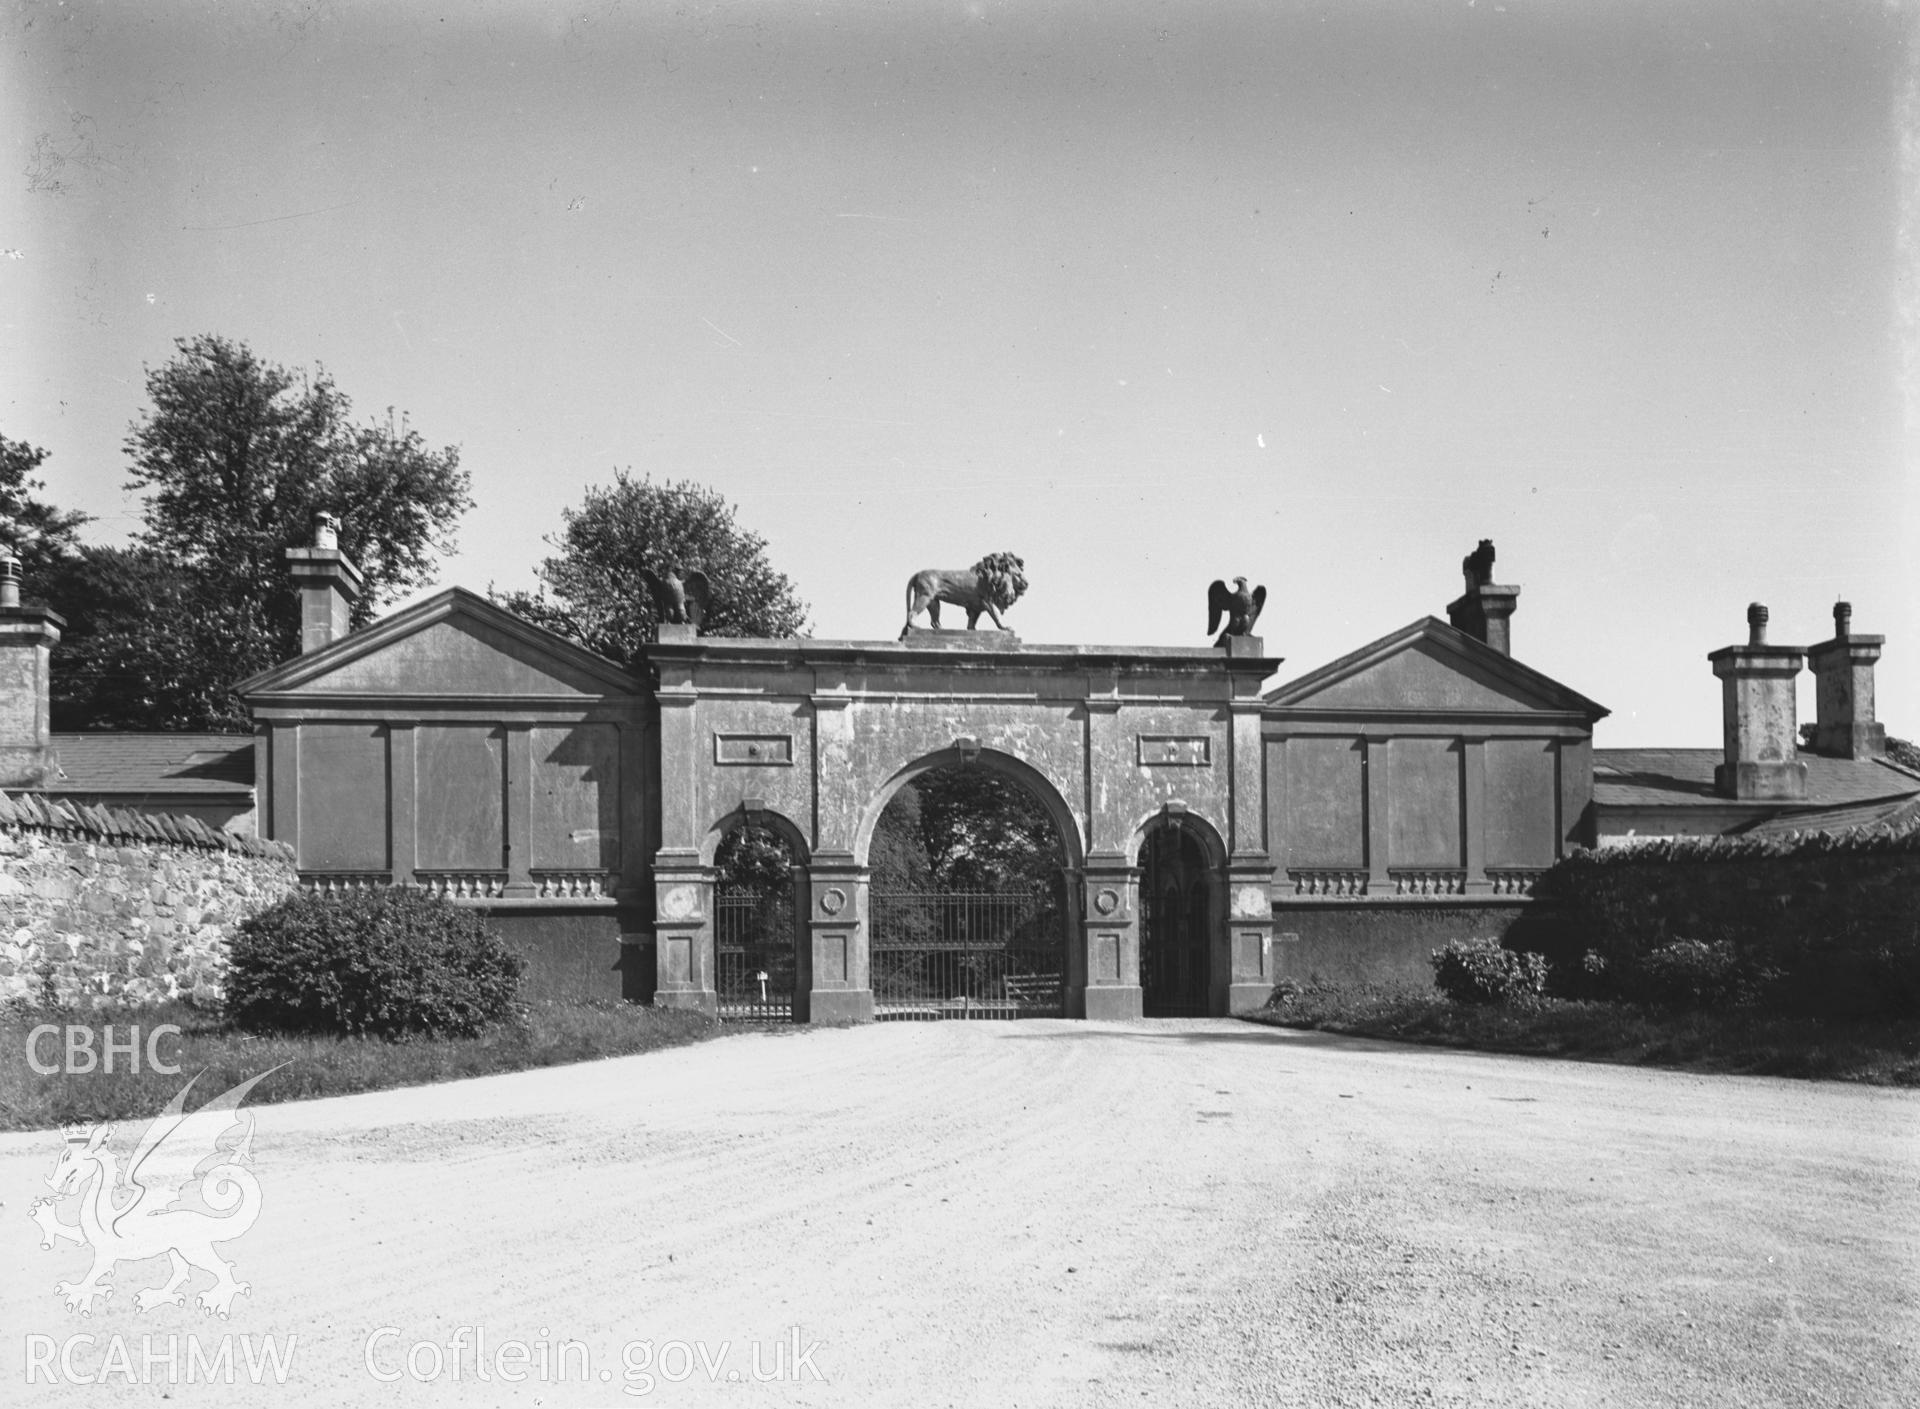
{"x": 967, "y": 954}
{"x": 753, "y": 948}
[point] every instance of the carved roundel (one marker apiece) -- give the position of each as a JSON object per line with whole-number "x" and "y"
{"x": 677, "y": 903}
{"x": 1250, "y": 900}
{"x": 1107, "y": 901}
{"x": 833, "y": 900}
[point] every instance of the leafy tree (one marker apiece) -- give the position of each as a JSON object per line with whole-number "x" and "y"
{"x": 897, "y": 856}
{"x": 983, "y": 831}
{"x": 599, "y": 598}
{"x": 753, "y": 854}
{"x": 140, "y": 630}
{"x": 39, "y": 534}
{"x": 237, "y": 458}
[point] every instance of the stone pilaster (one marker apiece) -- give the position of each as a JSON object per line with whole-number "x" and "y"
{"x": 835, "y": 982}
{"x": 1110, "y": 940}
{"x": 683, "y": 936}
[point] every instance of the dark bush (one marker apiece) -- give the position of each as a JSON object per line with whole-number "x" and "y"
{"x": 1692, "y": 973}
{"x": 382, "y": 963}
{"x": 1480, "y": 971}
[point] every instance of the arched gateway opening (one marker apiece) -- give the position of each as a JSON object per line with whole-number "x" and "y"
{"x": 1180, "y": 913}
{"x": 969, "y": 900}
{"x": 759, "y": 875}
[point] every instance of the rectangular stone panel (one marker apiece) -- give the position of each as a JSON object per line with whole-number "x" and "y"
{"x": 679, "y": 949}
{"x": 460, "y": 792}
{"x": 576, "y": 797}
{"x": 343, "y": 797}
{"x": 1423, "y": 804}
{"x": 1326, "y": 802}
{"x": 755, "y": 750}
{"x": 1251, "y": 961}
{"x": 1106, "y": 958}
{"x": 829, "y": 959}
{"x": 1521, "y": 807}
{"x": 1175, "y": 750}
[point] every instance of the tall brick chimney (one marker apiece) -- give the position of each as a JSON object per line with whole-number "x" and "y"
{"x": 1844, "y": 726}
{"x": 1485, "y": 610}
{"x": 1757, "y": 682}
{"x": 329, "y": 585}
{"x": 27, "y": 638}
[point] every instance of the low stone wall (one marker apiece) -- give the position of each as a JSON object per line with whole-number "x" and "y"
{"x": 100, "y": 906}
{"x": 1350, "y": 943}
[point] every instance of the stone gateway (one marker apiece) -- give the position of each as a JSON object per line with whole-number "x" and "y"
{"x": 1216, "y": 834}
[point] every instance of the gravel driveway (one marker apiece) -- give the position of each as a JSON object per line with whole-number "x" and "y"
{"x": 1047, "y": 1213}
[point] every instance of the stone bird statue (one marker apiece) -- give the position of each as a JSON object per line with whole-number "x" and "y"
{"x": 678, "y": 599}
{"x": 1477, "y": 566}
{"x": 1239, "y": 606}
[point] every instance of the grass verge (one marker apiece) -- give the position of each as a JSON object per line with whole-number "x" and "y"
{"x": 544, "y": 1034}
{"x": 1741, "y": 1040}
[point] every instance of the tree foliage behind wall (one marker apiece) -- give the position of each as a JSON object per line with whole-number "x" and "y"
{"x": 592, "y": 589}
{"x": 39, "y": 534}
{"x": 964, "y": 828}
{"x": 236, "y": 458}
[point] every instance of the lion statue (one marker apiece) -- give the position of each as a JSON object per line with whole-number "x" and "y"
{"x": 991, "y": 585}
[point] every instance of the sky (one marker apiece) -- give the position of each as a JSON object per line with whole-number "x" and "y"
{"x": 1320, "y": 294}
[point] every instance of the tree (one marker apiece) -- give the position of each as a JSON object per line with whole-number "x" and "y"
{"x": 599, "y": 598}
{"x": 983, "y": 831}
{"x": 133, "y": 654}
{"x": 39, "y": 534}
{"x": 237, "y": 458}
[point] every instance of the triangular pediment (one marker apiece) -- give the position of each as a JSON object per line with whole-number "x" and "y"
{"x": 1431, "y": 667}
{"x": 453, "y": 644}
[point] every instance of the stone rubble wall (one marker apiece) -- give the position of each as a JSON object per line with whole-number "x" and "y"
{"x": 102, "y": 906}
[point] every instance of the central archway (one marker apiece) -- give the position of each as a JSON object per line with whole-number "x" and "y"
{"x": 971, "y": 895}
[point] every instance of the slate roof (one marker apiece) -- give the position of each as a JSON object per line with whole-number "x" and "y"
{"x": 207, "y": 765}
{"x": 1897, "y": 814}
{"x": 1684, "y": 778}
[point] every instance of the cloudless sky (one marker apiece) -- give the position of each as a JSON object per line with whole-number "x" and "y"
{"x": 1148, "y": 294}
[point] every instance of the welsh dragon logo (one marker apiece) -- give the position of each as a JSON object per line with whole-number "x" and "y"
{"x": 149, "y": 1210}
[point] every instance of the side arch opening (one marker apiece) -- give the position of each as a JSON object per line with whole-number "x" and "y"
{"x": 760, "y": 873}
{"x": 1183, "y": 914}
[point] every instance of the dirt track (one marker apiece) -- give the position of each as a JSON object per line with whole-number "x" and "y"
{"x": 1063, "y": 1213}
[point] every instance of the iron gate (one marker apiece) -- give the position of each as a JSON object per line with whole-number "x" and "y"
{"x": 753, "y": 952}
{"x": 1175, "y": 943}
{"x": 967, "y": 954}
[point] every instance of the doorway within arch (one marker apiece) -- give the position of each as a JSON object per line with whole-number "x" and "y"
{"x": 1176, "y": 939}
{"x": 759, "y": 873}
{"x": 968, "y": 899}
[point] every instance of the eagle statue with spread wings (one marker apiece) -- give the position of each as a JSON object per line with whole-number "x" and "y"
{"x": 678, "y": 598}
{"x": 1237, "y": 605}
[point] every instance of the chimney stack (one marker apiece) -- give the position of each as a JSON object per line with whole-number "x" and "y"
{"x": 27, "y": 638}
{"x": 1757, "y": 683}
{"x": 329, "y": 585}
{"x": 1485, "y": 610}
{"x": 1844, "y": 725}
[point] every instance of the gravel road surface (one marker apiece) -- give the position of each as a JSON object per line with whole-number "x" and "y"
{"x": 1042, "y": 1213}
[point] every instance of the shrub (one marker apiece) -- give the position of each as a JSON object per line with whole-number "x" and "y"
{"x": 1285, "y": 991}
{"x": 1480, "y": 971}
{"x": 383, "y": 963}
{"x": 1692, "y": 973}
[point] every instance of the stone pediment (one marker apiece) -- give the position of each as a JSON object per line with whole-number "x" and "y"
{"x": 452, "y": 644}
{"x": 1431, "y": 667}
